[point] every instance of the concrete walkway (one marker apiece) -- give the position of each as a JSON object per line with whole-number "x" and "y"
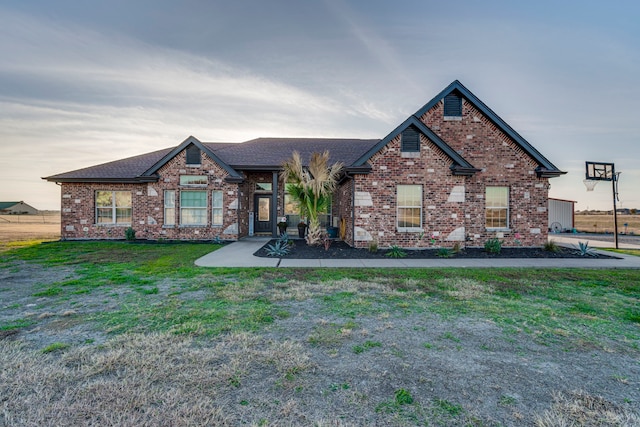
{"x": 240, "y": 254}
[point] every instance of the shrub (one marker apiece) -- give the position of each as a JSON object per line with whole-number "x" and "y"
{"x": 551, "y": 246}
{"x": 130, "y": 234}
{"x": 493, "y": 246}
{"x": 443, "y": 253}
{"x": 278, "y": 249}
{"x": 373, "y": 246}
{"x": 284, "y": 238}
{"x": 403, "y": 397}
{"x": 585, "y": 250}
{"x": 396, "y": 251}
{"x": 456, "y": 248}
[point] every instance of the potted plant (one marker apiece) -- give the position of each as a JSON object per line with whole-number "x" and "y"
{"x": 282, "y": 225}
{"x": 302, "y": 229}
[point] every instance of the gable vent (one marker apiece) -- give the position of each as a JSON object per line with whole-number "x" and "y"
{"x": 193, "y": 155}
{"x": 410, "y": 139}
{"x": 453, "y": 105}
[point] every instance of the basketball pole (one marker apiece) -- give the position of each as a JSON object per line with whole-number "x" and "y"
{"x": 614, "y": 184}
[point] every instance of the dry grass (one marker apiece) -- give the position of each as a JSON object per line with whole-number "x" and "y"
{"x": 604, "y": 223}
{"x": 138, "y": 380}
{"x": 21, "y": 228}
{"x": 581, "y": 409}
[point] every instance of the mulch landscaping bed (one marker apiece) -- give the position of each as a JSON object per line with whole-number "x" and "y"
{"x": 340, "y": 250}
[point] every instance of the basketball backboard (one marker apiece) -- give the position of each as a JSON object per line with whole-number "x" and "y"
{"x": 599, "y": 171}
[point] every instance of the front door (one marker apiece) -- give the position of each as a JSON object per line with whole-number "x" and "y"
{"x": 262, "y": 217}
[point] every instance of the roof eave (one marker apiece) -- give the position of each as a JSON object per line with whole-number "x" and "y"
{"x": 548, "y": 173}
{"x": 134, "y": 180}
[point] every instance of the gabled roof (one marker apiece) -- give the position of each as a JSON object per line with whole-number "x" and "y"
{"x": 233, "y": 174}
{"x": 459, "y": 167}
{"x": 545, "y": 169}
{"x": 256, "y": 154}
{"x": 7, "y": 205}
{"x": 270, "y": 153}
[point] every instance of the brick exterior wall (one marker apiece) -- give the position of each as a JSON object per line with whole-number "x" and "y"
{"x": 453, "y": 207}
{"x": 79, "y": 212}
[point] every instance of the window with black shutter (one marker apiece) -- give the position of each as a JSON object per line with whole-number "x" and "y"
{"x": 453, "y": 105}
{"x": 193, "y": 155}
{"x": 410, "y": 139}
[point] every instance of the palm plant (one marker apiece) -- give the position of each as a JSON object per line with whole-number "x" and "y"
{"x": 311, "y": 187}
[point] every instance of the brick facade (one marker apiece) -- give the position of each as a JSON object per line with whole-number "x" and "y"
{"x": 79, "y": 209}
{"x": 453, "y": 207}
{"x": 458, "y": 158}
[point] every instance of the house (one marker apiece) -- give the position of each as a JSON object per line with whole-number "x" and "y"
{"x": 453, "y": 172}
{"x": 17, "y": 208}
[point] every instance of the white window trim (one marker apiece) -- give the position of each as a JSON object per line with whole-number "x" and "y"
{"x": 194, "y": 185}
{"x": 113, "y": 208}
{"x": 217, "y": 208}
{"x": 398, "y": 207}
{"x": 205, "y": 207}
{"x": 486, "y": 208}
{"x": 164, "y": 218}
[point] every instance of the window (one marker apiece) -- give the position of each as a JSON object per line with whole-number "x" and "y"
{"x": 264, "y": 186}
{"x": 193, "y": 155}
{"x": 193, "y": 208}
{"x": 409, "y": 207}
{"x": 216, "y": 208}
{"x": 497, "y": 207}
{"x": 169, "y": 207}
{"x": 195, "y": 180}
{"x": 453, "y": 105}
{"x": 113, "y": 207}
{"x": 410, "y": 139}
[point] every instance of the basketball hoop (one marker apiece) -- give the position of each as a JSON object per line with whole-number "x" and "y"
{"x": 590, "y": 184}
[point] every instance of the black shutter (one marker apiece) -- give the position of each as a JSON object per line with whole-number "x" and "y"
{"x": 193, "y": 155}
{"x": 410, "y": 139}
{"x": 453, "y": 105}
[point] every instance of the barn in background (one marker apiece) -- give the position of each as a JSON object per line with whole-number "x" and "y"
{"x": 17, "y": 208}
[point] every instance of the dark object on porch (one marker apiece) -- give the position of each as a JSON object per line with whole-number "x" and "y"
{"x": 282, "y": 226}
{"x": 302, "y": 229}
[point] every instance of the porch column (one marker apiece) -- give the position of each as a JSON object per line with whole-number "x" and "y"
{"x": 274, "y": 204}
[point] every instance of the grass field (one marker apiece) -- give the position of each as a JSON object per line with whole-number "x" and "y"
{"x": 115, "y": 333}
{"x": 24, "y": 228}
{"x": 604, "y": 223}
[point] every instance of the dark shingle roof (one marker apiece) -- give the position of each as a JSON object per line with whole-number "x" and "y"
{"x": 128, "y": 170}
{"x": 261, "y": 153}
{"x": 272, "y": 152}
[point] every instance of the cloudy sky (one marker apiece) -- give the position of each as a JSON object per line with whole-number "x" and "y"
{"x": 83, "y": 82}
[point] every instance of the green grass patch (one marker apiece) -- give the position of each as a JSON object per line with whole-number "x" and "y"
{"x": 569, "y": 306}
{"x": 367, "y": 345}
{"x": 56, "y": 346}
{"x": 49, "y": 292}
{"x": 16, "y": 324}
{"x": 634, "y": 252}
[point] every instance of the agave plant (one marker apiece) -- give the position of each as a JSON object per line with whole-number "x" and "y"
{"x": 585, "y": 250}
{"x": 311, "y": 186}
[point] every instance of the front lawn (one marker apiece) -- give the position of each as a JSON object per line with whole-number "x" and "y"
{"x": 129, "y": 334}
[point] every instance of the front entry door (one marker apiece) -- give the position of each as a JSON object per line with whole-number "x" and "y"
{"x": 262, "y": 217}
